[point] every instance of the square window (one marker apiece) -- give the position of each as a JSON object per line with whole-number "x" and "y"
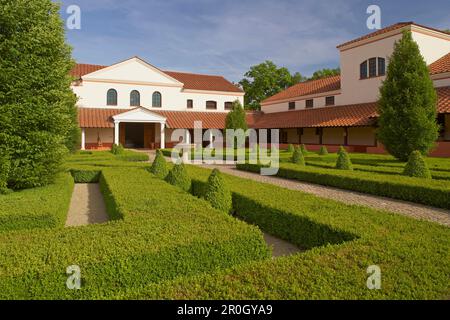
{"x": 291, "y": 105}
{"x": 310, "y": 103}
{"x": 228, "y": 105}
{"x": 329, "y": 101}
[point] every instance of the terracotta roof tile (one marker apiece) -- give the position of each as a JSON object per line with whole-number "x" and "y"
{"x": 440, "y": 66}
{"x": 102, "y": 118}
{"x": 308, "y": 88}
{"x": 341, "y": 116}
{"x": 82, "y": 69}
{"x": 190, "y": 80}
{"x": 203, "y": 82}
{"x": 443, "y": 99}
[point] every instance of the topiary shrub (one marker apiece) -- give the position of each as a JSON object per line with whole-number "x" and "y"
{"x": 343, "y": 162}
{"x": 303, "y": 149}
{"x": 159, "y": 166}
{"x": 179, "y": 177}
{"x": 298, "y": 157}
{"x": 117, "y": 149}
{"x": 290, "y": 148}
{"x": 416, "y": 166}
{"x": 323, "y": 151}
{"x": 4, "y": 172}
{"x": 218, "y": 193}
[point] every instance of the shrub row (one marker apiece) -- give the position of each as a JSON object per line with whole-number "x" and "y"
{"x": 43, "y": 207}
{"x": 413, "y": 255}
{"x": 165, "y": 233}
{"x": 433, "y": 193}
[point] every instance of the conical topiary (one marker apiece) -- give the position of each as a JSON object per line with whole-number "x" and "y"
{"x": 323, "y": 151}
{"x": 218, "y": 193}
{"x": 343, "y": 162}
{"x": 159, "y": 166}
{"x": 303, "y": 149}
{"x": 298, "y": 157}
{"x": 416, "y": 166}
{"x": 178, "y": 177}
{"x": 117, "y": 149}
{"x": 290, "y": 148}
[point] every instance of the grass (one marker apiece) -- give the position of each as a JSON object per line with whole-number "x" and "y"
{"x": 164, "y": 243}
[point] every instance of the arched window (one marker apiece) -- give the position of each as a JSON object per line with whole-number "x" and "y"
{"x": 111, "y": 97}
{"x": 156, "y": 100}
{"x": 373, "y": 67}
{"x": 135, "y": 99}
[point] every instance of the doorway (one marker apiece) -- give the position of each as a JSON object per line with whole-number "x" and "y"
{"x": 134, "y": 135}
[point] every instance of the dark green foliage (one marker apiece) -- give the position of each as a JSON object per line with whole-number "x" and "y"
{"x": 408, "y": 103}
{"x": 117, "y": 149}
{"x": 38, "y": 115}
{"x": 343, "y": 161}
{"x": 325, "y": 73}
{"x": 218, "y": 193}
{"x": 179, "y": 177}
{"x": 159, "y": 166}
{"x": 428, "y": 192}
{"x": 4, "y": 173}
{"x": 304, "y": 150}
{"x": 290, "y": 148}
{"x": 85, "y": 176}
{"x": 298, "y": 157}
{"x": 323, "y": 151}
{"x": 265, "y": 80}
{"x": 416, "y": 166}
{"x": 41, "y": 207}
{"x": 236, "y": 117}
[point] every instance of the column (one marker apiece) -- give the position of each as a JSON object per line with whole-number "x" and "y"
{"x": 116, "y": 132}
{"x": 83, "y": 139}
{"x": 163, "y": 135}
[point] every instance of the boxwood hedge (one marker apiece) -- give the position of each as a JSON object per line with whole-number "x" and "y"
{"x": 433, "y": 193}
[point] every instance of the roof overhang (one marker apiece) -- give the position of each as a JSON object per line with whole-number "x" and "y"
{"x": 139, "y": 115}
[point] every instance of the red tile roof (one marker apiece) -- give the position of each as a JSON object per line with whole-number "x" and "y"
{"x": 308, "y": 88}
{"x": 203, "y": 82}
{"x": 190, "y": 80}
{"x": 102, "y": 118}
{"x": 390, "y": 28}
{"x": 440, "y": 66}
{"x": 443, "y": 99}
{"x": 340, "y": 116}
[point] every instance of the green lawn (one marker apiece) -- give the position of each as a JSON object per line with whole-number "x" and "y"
{"x": 164, "y": 243}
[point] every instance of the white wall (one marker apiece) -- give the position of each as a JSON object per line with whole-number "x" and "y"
{"x": 300, "y": 104}
{"x": 442, "y": 83}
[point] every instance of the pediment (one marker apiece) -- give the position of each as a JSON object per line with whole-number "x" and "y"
{"x": 140, "y": 114}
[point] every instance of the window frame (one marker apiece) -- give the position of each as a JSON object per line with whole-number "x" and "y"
{"x": 291, "y": 105}
{"x": 311, "y": 105}
{"x": 228, "y": 103}
{"x": 210, "y": 102}
{"x": 138, "y": 98}
{"x": 154, "y": 95}
{"x": 114, "y": 91}
{"x": 381, "y": 71}
{"x": 363, "y": 70}
{"x": 189, "y": 104}
{"x": 327, "y": 103}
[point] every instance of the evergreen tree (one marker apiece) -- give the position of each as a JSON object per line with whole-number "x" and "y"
{"x": 343, "y": 162}
{"x": 159, "y": 165}
{"x": 298, "y": 157}
{"x": 236, "y": 119}
{"x": 38, "y": 115}
{"x": 416, "y": 166}
{"x": 323, "y": 151}
{"x": 290, "y": 148}
{"x": 218, "y": 193}
{"x": 179, "y": 177}
{"x": 408, "y": 103}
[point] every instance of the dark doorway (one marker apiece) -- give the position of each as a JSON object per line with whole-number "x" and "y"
{"x": 134, "y": 135}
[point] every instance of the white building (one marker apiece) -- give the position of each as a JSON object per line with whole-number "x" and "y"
{"x": 139, "y": 105}
{"x": 342, "y": 110}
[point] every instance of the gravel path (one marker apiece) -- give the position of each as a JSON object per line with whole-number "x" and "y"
{"x": 280, "y": 247}
{"x": 87, "y": 206}
{"x": 409, "y": 209}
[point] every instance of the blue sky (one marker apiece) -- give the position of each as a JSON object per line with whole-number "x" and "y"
{"x": 226, "y": 37}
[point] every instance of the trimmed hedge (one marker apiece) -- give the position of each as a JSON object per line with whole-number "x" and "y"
{"x": 43, "y": 207}
{"x": 413, "y": 255}
{"x": 298, "y": 157}
{"x": 433, "y": 193}
{"x": 416, "y": 166}
{"x": 218, "y": 193}
{"x": 159, "y": 166}
{"x": 165, "y": 233}
{"x": 178, "y": 177}
{"x": 85, "y": 176}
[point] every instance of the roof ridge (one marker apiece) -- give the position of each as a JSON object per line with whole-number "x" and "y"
{"x": 196, "y": 74}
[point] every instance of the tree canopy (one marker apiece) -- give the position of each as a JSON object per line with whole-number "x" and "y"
{"x": 38, "y": 115}
{"x": 236, "y": 117}
{"x": 265, "y": 80}
{"x": 408, "y": 102}
{"x": 324, "y": 73}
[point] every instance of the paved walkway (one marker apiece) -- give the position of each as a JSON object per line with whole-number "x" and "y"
{"x": 87, "y": 206}
{"x": 409, "y": 209}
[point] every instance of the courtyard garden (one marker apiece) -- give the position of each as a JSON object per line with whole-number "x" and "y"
{"x": 165, "y": 241}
